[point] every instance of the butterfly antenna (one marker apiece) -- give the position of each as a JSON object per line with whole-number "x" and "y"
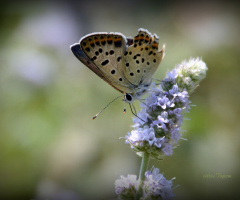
{"x": 105, "y": 107}
{"x": 135, "y": 112}
{"x": 156, "y": 80}
{"x": 142, "y": 102}
{"x": 134, "y": 109}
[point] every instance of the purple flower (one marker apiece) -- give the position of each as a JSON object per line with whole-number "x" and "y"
{"x": 167, "y": 149}
{"x": 157, "y": 127}
{"x": 148, "y": 135}
{"x": 177, "y": 112}
{"x": 183, "y": 96}
{"x": 162, "y": 120}
{"x": 127, "y": 186}
{"x": 151, "y": 100}
{"x": 135, "y": 136}
{"x": 159, "y": 142}
{"x": 175, "y": 135}
{"x": 163, "y": 102}
{"x": 172, "y": 75}
{"x": 141, "y": 136}
{"x": 140, "y": 120}
{"x": 174, "y": 91}
{"x": 156, "y": 186}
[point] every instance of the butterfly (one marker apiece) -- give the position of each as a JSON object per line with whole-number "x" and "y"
{"x": 124, "y": 63}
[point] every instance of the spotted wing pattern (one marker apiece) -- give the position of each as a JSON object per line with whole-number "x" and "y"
{"x": 126, "y": 64}
{"x": 106, "y": 52}
{"x": 142, "y": 58}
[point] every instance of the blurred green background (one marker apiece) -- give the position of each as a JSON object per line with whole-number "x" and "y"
{"x": 49, "y": 146}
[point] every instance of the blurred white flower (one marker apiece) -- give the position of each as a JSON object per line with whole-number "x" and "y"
{"x": 53, "y": 28}
{"x": 32, "y": 65}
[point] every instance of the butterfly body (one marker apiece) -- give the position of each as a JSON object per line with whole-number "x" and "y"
{"x": 126, "y": 64}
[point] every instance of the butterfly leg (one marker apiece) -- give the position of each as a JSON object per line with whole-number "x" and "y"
{"x": 135, "y": 112}
{"x": 124, "y": 110}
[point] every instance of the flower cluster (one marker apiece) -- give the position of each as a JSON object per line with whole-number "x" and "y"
{"x": 157, "y": 125}
{"x": 126, "y": 187}
{"x": 155, "y": 186}
{"x": 191, "y": 73}
{"x": 157, "y": 130}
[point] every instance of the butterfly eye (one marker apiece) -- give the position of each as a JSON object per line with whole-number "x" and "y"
{"x": 129, "y": 98}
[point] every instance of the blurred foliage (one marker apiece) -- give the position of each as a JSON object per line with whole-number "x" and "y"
{"x": 49, "y": 146}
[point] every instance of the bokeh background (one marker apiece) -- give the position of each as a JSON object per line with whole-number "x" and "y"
{"x": 49, "y": 146}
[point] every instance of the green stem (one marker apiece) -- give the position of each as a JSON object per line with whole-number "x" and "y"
{"x": 143, "y": 169}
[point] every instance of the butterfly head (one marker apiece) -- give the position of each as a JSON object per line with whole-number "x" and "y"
{"x": 129, "y": 98}
{"x": 139, "y": 91}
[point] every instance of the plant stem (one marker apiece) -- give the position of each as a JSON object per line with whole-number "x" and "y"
{"x": 143, "y": 169}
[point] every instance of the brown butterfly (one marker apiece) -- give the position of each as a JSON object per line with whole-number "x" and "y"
{"x": 124, "y": 63}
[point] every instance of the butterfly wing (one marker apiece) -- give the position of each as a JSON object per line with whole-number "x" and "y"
{"x": 78, "y": 52}
{"x": 142, "y": 58}
{"x": 126, "y": 64}
{"x": 105, "y": 52}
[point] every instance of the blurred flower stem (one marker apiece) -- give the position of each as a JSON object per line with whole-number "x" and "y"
{"x": 143, "y": 169}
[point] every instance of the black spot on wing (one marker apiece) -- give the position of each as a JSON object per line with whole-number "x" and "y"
{"x": 119, "y": 58}
{"x": 118, "y": 43}
{"x": 105, "y": 62}
{"x": 109, "y": 40}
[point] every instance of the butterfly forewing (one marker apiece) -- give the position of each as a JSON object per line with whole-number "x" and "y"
{"x": 106, "y": 52}
{"x": 78, "y": 52}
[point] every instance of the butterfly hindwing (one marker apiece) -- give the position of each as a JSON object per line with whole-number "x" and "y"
{"x": 142, "y": 58}
{"x": 106, "y": 52}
